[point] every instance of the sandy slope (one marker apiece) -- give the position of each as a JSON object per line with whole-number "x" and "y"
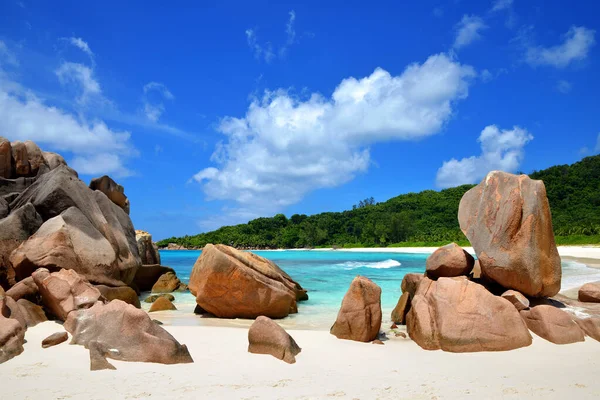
{"x": 326, "y": 368}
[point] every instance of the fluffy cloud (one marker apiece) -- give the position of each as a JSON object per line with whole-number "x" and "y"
{"x": 501, "y": 5}
{"x": 81, "y": 45}
{"x": 500, "y": 150}
{"x": 6, "y": 56}
{"x": 285, "y": 147}
{"x": 82, "y": 77}
{"x": 153, "y": 106}
{"x": 576, "y": 45}
{"x": 468, "y": 30}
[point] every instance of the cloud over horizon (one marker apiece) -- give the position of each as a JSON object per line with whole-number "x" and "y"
{"x": 468, "y": 30}
{"x": 500, "y": 150}
{"x": 285, "y": 147}
{"x": 576, "y": 44}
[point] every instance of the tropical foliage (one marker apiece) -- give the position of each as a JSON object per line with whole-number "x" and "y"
{"x": 415, "y": 218}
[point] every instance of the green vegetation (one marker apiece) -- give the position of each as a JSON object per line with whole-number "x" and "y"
{"x": 428, "y": 218}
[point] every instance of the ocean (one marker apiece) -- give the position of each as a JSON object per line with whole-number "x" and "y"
{"x": 327, "y": 275}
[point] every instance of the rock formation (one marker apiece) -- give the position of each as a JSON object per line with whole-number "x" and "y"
{"x": 233, "y": 284}
{"x": 402, "y": 307}
{"x": 590, "y": 292}
{"x": 112, "y": 190}
{"x": 267, "y": 337}
{"x": 508, "y": 222}
{"x": 448, "y": 261}
{"x": 148, "y": 250}
{"x": 359, "y": 317}
{"x": 552, "y": 324}
{"x": 517, "y": 299}
{"x": 55, "y": 339}
{"x": 125, "y": 293}
{"x": 458, "y": 315}
{"x": 162, "y": 304}
{"x": 147, "y": 275}
{"x": 410, "y": 283}
{"x": 166, "y": 283}
{"x": 12, "y": 332}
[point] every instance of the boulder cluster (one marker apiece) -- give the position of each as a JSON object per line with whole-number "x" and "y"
{"x": 69, "y": 252}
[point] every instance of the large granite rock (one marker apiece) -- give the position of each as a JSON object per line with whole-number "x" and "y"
{"x": 507, "y": 220}
{"x": 266, "y": 337}
{"x": 359, "y": 317}
{"x": 147, "y": 275}
{"x": 590, "y": 292}
{"x": 410, "y": 283}
{"x": 83, "y": 231}
{"x": 448, "y": 261}
{"x": 21, "y": 160}
{"x": 12, "y": 332}
{"x": 14, "y": 230}
{"x": 124, "y": 293}
{"x": 552, "y": 324}
{"x": 6, "y": 160}
{"x": 462, "y": 316}
{"x": 113, "y": 191}
{"x": 233, "y": 284}
{"x": 125, "y": 333}
{"x": 65, "y": 291}
{"x": 148, "y": 250}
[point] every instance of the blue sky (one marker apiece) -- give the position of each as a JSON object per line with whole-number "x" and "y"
{"x": 218, "y": 113}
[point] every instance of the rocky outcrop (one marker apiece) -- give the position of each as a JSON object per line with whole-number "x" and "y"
{"x": 55, "y": 339}
{"x": 12, "y": 332}
{"x": 507, "y": 220}
{"x": 113, "y": 191}
{"x": 166, "y": 283}
{"x": 552, "y": 324}
{"x": 147, "y": 275}
{"x": 125, "y": 333}
{"x": 65, "y": 291}
{"x": 590, "y": 292}
{"x": 359, "y": 317}
{"x": 517, "y": 299}
{"x": 162, "y": 304}
{"x": 410, "y": 283}
{"x": 83, "y": 231}
{"x": 124, "y": 293}
{"x": 448, "y": 261}
{"x": 148, "y": 250}
{"x": 25, "y": 289}
{"x": 6, "y": 160}
{"x": 590, "y": 325}
{"x": 462, "y": 316}
{"x": 233, "y": 284}
{"x": 267, "y": 337}
{"x": 402, "y": 307}
{"x": 31, "y": 312}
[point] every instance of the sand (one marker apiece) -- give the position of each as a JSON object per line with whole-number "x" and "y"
{"x": 326, "y": 368}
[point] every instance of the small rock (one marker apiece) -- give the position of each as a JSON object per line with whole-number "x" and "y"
{"x": 401, "y": 309}
{"x": 167, "y": 283}
{"x": 394, "y": 326}
{"x": 449, "y": 261}
{"x": 401, "y": 334}
{"x": 152, "y": 298}
{"x": 377, "y": 341}
{"x": 517, "y": 299}
{"x": 162, "y": 304}
{"x": 267, "y": 337}
{"x": 54, "y": 339}
{"x": 590, "y": 292}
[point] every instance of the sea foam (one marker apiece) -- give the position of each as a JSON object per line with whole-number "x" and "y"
{"x": 375, "y": 265}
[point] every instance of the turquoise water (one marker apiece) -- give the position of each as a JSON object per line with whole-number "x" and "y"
{"x": 325, "y": 274}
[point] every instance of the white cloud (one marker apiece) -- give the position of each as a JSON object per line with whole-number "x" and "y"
{"x": 290, "y": 32}
{"x": 80, "y": 75}
{"x": 576, "y": 45}
{"x": 81, "y": 45}
{"x": 285, "y": 147}
{"x": 6, "y": 56}
{"x": 500, "y": 150}
{"x": 468, "y": 30}
{"x": 153, "y": 106}
{"x": 265, "y": 51}
{"x": 501, "y": 5}
{"x": 564, "y": 86}
{"x": 260, "y": 51}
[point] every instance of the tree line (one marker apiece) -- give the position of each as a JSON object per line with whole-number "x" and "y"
{"x": 425, "y": 218}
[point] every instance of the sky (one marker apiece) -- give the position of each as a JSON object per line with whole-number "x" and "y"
{"x": 217, "y": 112}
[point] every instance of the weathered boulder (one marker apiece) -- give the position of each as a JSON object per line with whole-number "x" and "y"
{"x": 166, "y": 283}
{"x": 507, "y": 220}
{"x": 65, "y": 291}
{"x": 125, "y": 293}
{"x": 55, "y": 339}
{"x": 590, "y": 292}
{"x": 148, "y": 250}
{"x": 154, "y": 297}
{"x": 410, "y": 283}
{"x": 233, "y": 284}
{"x": 127, "y": 333}
{"x": 112, "y": 190}
{"x": 147, "y": 275}
{"x": 35, "y": 158}
{"x": 25, "y": 289}
{"x": 402, "y": 307}
{"x": 162, "y": 304}
{"x": 83, "y": 230}
{"x": 448, "y": 261}
{"x": 590, "y": 325}
{"x": 14, "y": 230}
{"x": 517, "y": 299}
{"x": 359, "y": 317}
{"x": 6, "y": 160}
{"x": 267, "y": 337}
{"x": 32, "y": 313}
{"x": 53, "y": 160}
{"x": 462, "y": 316}
{"x": 21, "y": 159}
{"x": 12, "y": 332}
{"x": 552, "y": 324}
